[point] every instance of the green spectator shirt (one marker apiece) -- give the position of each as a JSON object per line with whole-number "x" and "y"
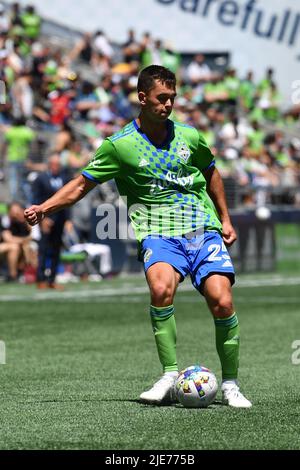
{"x": 164, "y": 185}
{"x": 31, "y": 24}
{"x": 18, "y": 140}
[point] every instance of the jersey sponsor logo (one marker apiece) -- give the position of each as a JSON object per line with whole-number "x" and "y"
{"x": 143, "y": 163}
{"x": 171, "y": 178}
{"x": 147, "y": 255}
{"x": 182, "y": 180}
{"x": 184, "y": 152}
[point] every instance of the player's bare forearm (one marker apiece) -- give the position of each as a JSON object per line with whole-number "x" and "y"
{"x": 68, "y": 195}
{"x": 215, "y": 190}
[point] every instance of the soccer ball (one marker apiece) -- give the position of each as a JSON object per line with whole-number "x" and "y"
{"x": 196, "y": 387}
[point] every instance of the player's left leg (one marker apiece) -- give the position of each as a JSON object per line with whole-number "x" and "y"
{"x": 218, "y": 294}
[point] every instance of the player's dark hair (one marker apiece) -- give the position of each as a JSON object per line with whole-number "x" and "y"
{"x": 148, "y": 76}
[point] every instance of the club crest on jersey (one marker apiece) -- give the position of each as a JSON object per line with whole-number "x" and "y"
{"x": 147, "y": 255}
{"x": 184, "y": 152}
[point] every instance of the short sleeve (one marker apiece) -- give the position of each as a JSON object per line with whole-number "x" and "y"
{"x": 203, "y": 158}
{"x": 105, "y": 164}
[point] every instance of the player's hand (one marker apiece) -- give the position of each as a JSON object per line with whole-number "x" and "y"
{"x": 229, "y": 234}
{"x": 34, "y": 215}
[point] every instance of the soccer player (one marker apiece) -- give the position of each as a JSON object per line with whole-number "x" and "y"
{"x": 167, "y": 172}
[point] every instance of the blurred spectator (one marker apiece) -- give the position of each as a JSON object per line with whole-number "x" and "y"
{"x": 247, "y": 92}
{"x": 46, "y": 184}
{"x": 216, "y": 90}
{"x": 15, "y": 60}
{"x": 31, "y": 23}
{"x": 4, "y": 21}
{"x": 86, "y": 100}
{"x": 63, "y": 137}
{"x": 131, "y": 48}
{"x": 83, "y": 49}
{"x": 22, "y": 96}
{"x": 265, "y": 83}
{"x": 17, "y": 141}
{"x": 170, "y": 58}
{"x": 294, "y": 150}
{"x": 256, "y": 137}
{"x": 75, "y": 157}
{"x": 234, "y": 133}
{"x": 9, "y": 251}
{"x": 103, "y": 92}
{"x": 56, "y": 109}
{"x": 60, "y": 106}
{"x": 120, "y": 94}
{"x": 232, "y": 84}
{"x": 146, "y": 50}
{"x": 102, "y": 45}
{"x": 15, "y": 14}
{"x": 198, "y": 71}
{"x": 92, "y": 130}
{"x": 17, "y": 241}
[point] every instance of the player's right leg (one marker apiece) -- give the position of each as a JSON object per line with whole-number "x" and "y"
{"x": 163, "y": 280}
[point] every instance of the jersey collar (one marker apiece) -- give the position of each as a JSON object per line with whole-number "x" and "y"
{"x": 168, "y": 139}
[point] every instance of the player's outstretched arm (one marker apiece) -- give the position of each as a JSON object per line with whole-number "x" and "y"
{"x": 72, "y": 192}
{"x": 216, "y": 192}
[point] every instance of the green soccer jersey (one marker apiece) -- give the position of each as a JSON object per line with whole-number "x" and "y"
{"x": 164, "y": 186}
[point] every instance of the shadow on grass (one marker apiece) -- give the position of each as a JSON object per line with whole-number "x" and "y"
{"x": 118, "y": 400}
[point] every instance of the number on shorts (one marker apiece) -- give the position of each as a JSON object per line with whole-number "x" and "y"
{"x": 215, "y": 250}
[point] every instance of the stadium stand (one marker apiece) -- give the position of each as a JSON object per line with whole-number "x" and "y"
{"x": 65, "y": 92}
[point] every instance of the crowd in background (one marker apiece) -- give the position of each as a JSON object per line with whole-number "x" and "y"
{"x": 63, "y": 101}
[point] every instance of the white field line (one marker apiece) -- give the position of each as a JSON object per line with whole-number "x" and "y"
{"x": 127, "y": 290}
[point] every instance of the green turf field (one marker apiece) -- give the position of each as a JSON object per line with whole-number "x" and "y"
{"x": 77, "y": 361}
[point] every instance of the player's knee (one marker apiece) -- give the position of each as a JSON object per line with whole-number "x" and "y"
{"x": 223, "y": 307}
{"x": 161, "y": 294}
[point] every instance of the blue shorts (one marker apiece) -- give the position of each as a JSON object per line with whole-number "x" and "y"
{"x": 200, "y": 256}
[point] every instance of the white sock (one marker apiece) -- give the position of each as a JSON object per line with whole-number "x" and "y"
{"x": 226, "y": 383}
{"x": 172, "y": 373}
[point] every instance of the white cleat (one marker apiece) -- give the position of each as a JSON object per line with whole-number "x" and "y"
{"x": 162, "y": 390}
{"x": 232, "y": 396}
